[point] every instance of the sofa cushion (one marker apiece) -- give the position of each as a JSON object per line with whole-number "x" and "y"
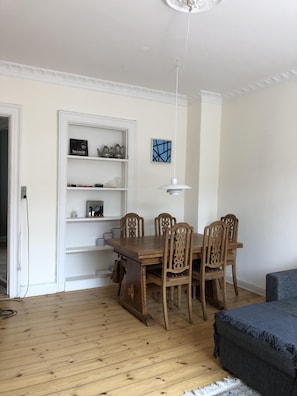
{"x": 273, "y": 323}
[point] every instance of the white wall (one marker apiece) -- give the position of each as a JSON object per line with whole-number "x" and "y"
{"x": 258, "y": 173}
{"x": 38, "y": 168}
{"x": 257, "y": 169}
{"x": 209, "y": 155}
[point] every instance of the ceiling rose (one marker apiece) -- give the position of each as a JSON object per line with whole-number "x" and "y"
{"x": 192, "y": 6}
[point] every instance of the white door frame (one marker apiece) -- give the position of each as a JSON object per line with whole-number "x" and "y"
{"x": 13, "y": 112}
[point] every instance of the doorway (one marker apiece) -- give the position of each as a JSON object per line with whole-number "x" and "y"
{"x": 3, "y": 202}
{"x": 10, "y": 114}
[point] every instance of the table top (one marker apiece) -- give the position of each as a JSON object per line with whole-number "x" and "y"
{"x": 148, "y": 247}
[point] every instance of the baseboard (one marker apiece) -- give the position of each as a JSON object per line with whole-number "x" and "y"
{"x": 248, "y": 286}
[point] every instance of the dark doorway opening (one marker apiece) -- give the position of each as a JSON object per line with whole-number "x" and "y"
{"x": 3, "y": 202}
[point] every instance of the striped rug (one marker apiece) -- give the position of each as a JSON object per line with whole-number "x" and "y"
{"x": 226, "y": 387}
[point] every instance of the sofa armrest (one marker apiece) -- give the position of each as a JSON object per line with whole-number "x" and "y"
{"x": 281, "y": 285}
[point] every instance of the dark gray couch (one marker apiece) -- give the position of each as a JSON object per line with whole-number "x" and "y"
{"x": 258, "y": 342}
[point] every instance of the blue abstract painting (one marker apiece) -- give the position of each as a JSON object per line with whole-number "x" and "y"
{"x": 161, "y": 150}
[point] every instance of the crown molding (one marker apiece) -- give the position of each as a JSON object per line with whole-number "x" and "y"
{"x": 268, "y": 82}
{"x": 206, "y": 97}
{"x": 78, "y": 81}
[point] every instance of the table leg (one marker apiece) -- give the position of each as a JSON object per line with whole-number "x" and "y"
{"x": 134, "y": 297}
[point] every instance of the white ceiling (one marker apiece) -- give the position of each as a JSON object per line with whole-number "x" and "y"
{"x": 137, "y": 42}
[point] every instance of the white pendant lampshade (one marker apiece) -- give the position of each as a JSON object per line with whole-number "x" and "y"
{"x": 174, "y": 188}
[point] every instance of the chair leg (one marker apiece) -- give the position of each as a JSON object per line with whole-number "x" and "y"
{"x": 203, "y": 300}
{"x": 170, "y": 297}
{"x": 224, "y": 292}
{"x": 165, "y": 311}
{"x": 179, "y": 291}
{"x": 190, "y": 304}
{"x": 234, "y": 278}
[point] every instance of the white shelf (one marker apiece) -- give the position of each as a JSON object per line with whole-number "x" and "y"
{"x": 86, "y": 249}
{"x": 92, "y": 219}
{"x": 87, "y": 158}
{"x": 86, "y": 282}
{"x": 98, "y": 188}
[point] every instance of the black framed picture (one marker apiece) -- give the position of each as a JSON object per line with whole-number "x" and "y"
{"x": 79, "y": 147}
{"x": 161, "y": 150}
{"x": 95, "y": 208}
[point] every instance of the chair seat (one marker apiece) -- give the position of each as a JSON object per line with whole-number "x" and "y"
{"x": 196, "y": 267}
{"x": 170, "y": 275}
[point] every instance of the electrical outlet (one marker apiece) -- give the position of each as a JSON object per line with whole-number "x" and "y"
{"x": 23, "y": 192}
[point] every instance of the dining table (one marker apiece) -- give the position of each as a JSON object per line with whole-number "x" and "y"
{"x": 140, "y": 253}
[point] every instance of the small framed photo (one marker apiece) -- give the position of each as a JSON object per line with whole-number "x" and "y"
{"x": 95, "y": 208}
{"x": 161, "y": 150}
{"x": 79, "y": 147}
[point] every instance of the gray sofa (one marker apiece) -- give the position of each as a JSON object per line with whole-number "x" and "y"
{"x": 258, "y": 342}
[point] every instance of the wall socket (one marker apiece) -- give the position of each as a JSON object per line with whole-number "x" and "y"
{"x": 23, "y": 192}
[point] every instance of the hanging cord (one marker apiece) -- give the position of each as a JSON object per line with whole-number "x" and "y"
{"x": 187, "y": 36}
{"x": 176, "y": 117}
{"x": 28, "y": 248}
{"x": 178, "y": 64}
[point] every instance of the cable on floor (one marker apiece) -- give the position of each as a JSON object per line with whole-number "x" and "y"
{"x": 7, "y": 313}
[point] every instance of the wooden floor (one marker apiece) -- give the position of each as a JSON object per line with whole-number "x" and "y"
{"x": 84, "y": 343}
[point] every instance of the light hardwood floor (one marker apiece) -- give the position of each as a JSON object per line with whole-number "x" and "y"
{"x": 85, "y": 343}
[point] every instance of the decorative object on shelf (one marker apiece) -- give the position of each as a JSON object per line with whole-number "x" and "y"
{"x": 192, "y": 6}
{"x": 73, "y": 214}
{"x": 114, "y": 183}
{"x": 107, "y": 235}
{"x": 161, "y": 150}
{"x": 100, "y": 242}
{"x": 79, "y": 147}
{"x": 117, "y": 151}
{"x": 116, "y": 232}
{"x": 95, "y": 208}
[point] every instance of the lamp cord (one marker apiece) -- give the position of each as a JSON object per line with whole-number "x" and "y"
{"x": 178, "y": 63}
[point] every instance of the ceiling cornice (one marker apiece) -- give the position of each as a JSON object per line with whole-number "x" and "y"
{"x": 78, "y": 81}
{"x": 267, "y": 82}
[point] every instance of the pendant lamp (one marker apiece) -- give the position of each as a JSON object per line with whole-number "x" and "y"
{"x": 190, "y": 7}
{"x": 174, "y": 188}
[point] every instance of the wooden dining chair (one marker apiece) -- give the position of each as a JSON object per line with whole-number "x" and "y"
{"x": 131, "y": 226}
{"x": 162, "y": 222}
{"x": 232, "y": 222}
{"x": 176, "y": 265}
{"x": 213, "y": 262}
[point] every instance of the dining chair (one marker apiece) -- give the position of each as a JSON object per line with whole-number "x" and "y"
{"x": 131, "y": 226}
{"x": 232, "y": 222}
{"x": 176, "y": 265}
{"x": 162, "y": 222}
{"x": 212, "y": 265}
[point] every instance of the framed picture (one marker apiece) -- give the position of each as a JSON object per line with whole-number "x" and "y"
{"x": 79, "y": 147}
{"x": 161, "y": 150}
{"x": 95, "y": 208}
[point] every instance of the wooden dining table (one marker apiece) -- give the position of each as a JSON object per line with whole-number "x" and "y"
{"x": 141, "y": 252}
